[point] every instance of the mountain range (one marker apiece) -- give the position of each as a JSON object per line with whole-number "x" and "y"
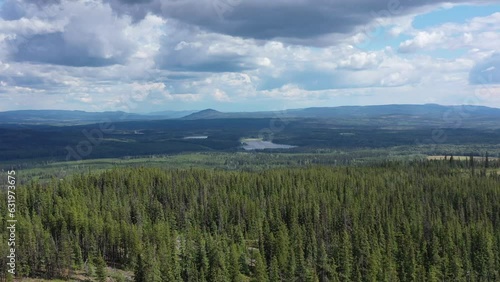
{"x": 427, "y": 111}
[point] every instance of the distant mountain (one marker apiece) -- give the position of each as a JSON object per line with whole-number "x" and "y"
{"x": 209, "y": 114}
{"x": 214, "y": 114}
{"x": 424, "y": 111}
{"x": 171, "y": 114}
{"x": 427, "y": 111}
{"x": 395, "y": 114}
{"x": 62, "y": 117}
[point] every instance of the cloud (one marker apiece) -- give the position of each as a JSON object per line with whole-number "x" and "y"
{"x": 221, "y": 96}
{"x": 81, "y": 33}
{"x": 290, "y": 92}
{"x": 191, "y": 49}
{"x": 476, "y": 33}
{"x": 29, "y": 26}
{"x": 52, "y": 48}
{"x": 421, "y": 41}
{"x": 359, "y": 61}
{"x": 287, "y": 20}
{"x": 486, "y": 71}
{"x": 139, "y": 55}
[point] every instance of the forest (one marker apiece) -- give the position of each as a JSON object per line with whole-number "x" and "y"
{"x": 428, "y": 220}
{"x": 49, "y": 142}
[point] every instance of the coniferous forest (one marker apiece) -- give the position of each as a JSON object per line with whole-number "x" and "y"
{"x": 417, "y": 221}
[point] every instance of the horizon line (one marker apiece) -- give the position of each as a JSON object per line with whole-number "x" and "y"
{"x": 250, "y": 111}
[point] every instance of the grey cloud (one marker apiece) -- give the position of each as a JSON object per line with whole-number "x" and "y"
{"x": 25, "y": 81}
{"x": 211, "y": 66}
{"x": 175, "y": 77}
{"x": 190, "y": 61}
{"x": 53, "y": 49}
{"x": 16, "y": 9}
{"x": 137, "y": 9}
{"x": 12, "y": 10}
{"x": 185, "y": 48}
{"x": 287, "y": 20}
{"x": 284, "y": 19}
{"x": 88, "y": 35}
{"x": 487, "y": 71}
{"x": 302, "y": 22}
{"x": 131, "y": 2}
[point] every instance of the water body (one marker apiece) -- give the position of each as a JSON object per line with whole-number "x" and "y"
{"x": 196, "y": 137}
{"x": 261, "y": 145}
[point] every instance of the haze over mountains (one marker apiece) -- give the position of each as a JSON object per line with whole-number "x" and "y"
{"x": 64, "y": 117}
{"x": 427, "y": 112}
{"x": 424, "y": 111}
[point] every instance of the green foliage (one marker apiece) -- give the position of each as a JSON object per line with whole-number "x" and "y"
{"x": 260, "y": 271}
{"x": 420, "y": 221}
{"x": 140, "y": 271}
{"x": 100, "y": 270}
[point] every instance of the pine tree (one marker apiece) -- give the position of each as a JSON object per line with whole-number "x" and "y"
{"x": 323, "y": 267}
{"x": 471, "y": 164}
{"x": 345, "y": 257}
{"x": 274, "y": 272}
{"x": 260, "y": 273}
{"x": 218, "y": 269}
{"x": 154, "y": 274}
{"x": 234, "y": 267}
{"x": 203, "y": 263}
{"x": 64, "y": 254}
{"x": 140, "y": 271}
{"x": 100, "y": 269}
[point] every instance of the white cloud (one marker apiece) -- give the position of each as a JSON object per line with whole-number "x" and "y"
{"x": 221, "y": 96}
{"x": 480, "y": 32}
{"x": 422, "y": 40}
{"x": 361, "y": 60}
{"x": 71, "y": 33}
{"x": 29, "y": 26}
{"x": 162, "y": 61}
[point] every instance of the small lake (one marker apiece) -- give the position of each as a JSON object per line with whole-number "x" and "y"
{"x": 261, "y": 145}
{"x": 196, "y": 137}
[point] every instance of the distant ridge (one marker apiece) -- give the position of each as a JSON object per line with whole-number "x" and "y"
{"x": 432, "y": 111}
{"x": 171, "y": 114}
{"x": 206, "y": 114}
{"x": 68, "y": 117}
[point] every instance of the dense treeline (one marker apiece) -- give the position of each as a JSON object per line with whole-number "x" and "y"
{"x": 423, "y": 221}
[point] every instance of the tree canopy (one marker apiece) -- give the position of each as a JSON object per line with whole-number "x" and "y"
{"x": 423, "y": 221}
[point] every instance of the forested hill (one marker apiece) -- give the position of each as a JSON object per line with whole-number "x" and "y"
{"x": 404, "y": 112}
{"x": 65, "y": 117}
{"x": 428, "y": 221}
{"x": 399, "y": 111}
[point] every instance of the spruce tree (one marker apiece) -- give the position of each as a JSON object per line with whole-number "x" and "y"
{"x": 100, "y": 270}
{"x": 260, "y": 272}
{"x": 140, "y": 271}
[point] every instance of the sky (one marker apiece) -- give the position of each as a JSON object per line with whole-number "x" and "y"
{"x": 246, "y": 55}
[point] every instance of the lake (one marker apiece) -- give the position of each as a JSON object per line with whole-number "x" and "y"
{"x": 261, "y": 145}
{"x": 196, "y": 137}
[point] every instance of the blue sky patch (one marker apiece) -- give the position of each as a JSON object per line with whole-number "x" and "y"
{"x": 457, "y": 14}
